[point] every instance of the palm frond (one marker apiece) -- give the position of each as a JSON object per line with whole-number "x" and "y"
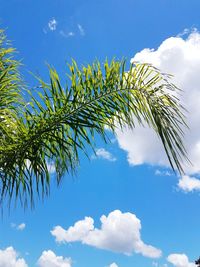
{"x": 62, "y": 121}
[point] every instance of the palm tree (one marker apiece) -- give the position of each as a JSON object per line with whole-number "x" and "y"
{"x": 58, "y": 122}
{"x": 197, "y": 262}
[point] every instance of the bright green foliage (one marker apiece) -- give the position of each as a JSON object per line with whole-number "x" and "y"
{"x": 9, "y": 89}
{"x": 59, "y": 122}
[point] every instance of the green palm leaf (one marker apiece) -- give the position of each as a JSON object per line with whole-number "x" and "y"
{"x": 60, "y": 122}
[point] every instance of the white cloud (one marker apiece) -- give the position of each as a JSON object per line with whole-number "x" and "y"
{"x": 49, "y": 259}
{"x": 113, "y": 265}
{"x": 9, "y": 258}
{"x": 52, "y": 24}
{"x": 79, "y": 231}
{"x": 189, "y": 184}
{"x": 51, "y": 167}
{"x": 67, "y": 34}
{"x": 81, "y": 30}
{"x": 119, "y": 232}
{"x": 156, "y": 264}
{"x": 71, "y": 33}
{"x": 163, "y": 173}
{"x": 180, "y": 260}
{"x": 102, "y": 153}
{"x": 19, "y": 227}
{"x": 182, "y": 59}
{"x": 187, "y": 31}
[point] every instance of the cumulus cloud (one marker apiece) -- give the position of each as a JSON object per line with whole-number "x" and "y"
{"x": 49, "y": 259}
{"x": 189, "y": 184}
{"x": 77, "y": 232}
{"x": 180, "y": 260}
{"x": 181, "y": 58}
{"x": 102, "y": 153}
{"x": 119, "y": 232}
{"x": 52, "y": 24}
{"x": 9, "y": 258}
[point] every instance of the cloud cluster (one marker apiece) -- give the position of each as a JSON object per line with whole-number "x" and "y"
{"x": 64, "y": 30}
{"x": 102, "y": 153}
{"x": 9, "y": 258}
{"x": 119, "y": 232}
{"x": 182, "y": 59}
{"x": 49, "y": 259}
{"x": 180, "y": 260}
{"x": 78, "y": 30}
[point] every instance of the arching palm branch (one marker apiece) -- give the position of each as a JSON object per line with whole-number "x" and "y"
{"x": 59, "y": 122}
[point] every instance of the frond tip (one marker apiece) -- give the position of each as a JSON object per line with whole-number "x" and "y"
{"x": 61, "y": 121}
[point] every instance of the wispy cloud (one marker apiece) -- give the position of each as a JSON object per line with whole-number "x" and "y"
{"x": 187, "y": 31}
{"x": 64, "y": 30}
{"x": 81, "y": 29}
{"x": 71, "y": 34}
{"x": 102, "y": 153}
{"x": 19, "y": 227}
{"x": 156, "y": 264}
{"x": 52, "y": 24}
{"x": 113, "y": 265}
{"x": 67, "y": 34}
{"x": 163, "y": 173}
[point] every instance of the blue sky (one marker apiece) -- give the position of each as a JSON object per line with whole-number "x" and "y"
{"x": 149, "y": 216}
